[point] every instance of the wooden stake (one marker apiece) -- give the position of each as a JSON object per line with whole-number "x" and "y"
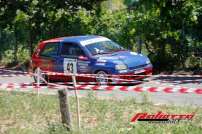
{"x": 64, "y": 109}
{"x": 77, "y": 101}
{"x": 38, "y": 80}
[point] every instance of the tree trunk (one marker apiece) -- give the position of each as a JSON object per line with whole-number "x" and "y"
{"x": 15, "y": 45}
{"x": 30, "y": 42}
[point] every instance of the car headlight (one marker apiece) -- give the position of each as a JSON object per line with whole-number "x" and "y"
{"x": 121, "y": 67}
{"x": 148, "y": 62}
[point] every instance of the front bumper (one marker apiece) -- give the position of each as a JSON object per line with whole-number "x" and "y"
{"x": 136, "y": 74}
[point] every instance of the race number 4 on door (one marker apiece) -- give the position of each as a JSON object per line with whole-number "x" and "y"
{"x": 70, "y": 66}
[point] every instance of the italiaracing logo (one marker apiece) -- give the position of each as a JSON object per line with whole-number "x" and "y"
{"x": 161, "y": 117}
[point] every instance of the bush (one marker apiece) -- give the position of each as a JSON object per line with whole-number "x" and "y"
{"x": 194, "y": 62}
{"x": 9, "y": 56}
{"x": 23, "y": 55}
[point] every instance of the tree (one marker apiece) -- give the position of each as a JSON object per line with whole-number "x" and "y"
{"x": 165, "y": 27}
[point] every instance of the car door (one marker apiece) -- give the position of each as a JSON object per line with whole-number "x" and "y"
{"x": 71, "y": 50}
{"x": 48, "y": 56}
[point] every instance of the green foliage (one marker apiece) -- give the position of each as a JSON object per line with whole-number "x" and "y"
{"x": 169, "y": 31}
{"x": 194, "y": 63}
{"x": 22, "y": 55}
{"x": 166, "y": 28}
{"x": 8, "y": 57}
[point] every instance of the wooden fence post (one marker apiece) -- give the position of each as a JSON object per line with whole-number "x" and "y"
{"x": 64, "y": 108}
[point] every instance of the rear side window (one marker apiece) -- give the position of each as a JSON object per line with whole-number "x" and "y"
{"x": 50, "y": 50}
{"x": 71, "y": 49}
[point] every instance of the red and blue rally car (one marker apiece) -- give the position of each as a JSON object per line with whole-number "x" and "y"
{"x": 95, "y": 55}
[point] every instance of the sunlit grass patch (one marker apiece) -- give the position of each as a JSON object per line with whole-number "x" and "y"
{"x": 22, "y": 113}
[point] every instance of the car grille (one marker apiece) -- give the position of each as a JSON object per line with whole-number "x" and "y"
{"x": 136, "y": 67}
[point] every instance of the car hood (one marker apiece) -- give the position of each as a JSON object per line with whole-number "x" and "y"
{"x": 131, "y": 59}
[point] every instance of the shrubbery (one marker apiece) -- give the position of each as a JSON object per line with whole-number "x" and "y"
{"x": 168, "y": 32}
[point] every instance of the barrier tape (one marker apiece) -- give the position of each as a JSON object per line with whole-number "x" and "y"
{"x": 83, "y": 83}
{"x": 168, "y": 89}
{"x": 30, "y": 85}
{"x": 15, "y": 75}
{"x": 87, "y": 76}
{"x": 21, "y": 73}
{"x": 13, "y": 71}
{"x": 182, "y": 81}
{"x": 102, "y": 83}
{"x": 116, "y": 80}
{"x": 120, "y": 75}
{"x": 137, "y": 82}
{"x": 127, "y": 75}
{"x": 94, "y": 75}
{"x": 107, "y": 87}
{"x": 62, "y": 74}
{"x": 141, "y": 89}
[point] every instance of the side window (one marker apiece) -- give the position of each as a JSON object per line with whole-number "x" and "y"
{"x": 50, "y": 50}
{"x": 71, "y": 49}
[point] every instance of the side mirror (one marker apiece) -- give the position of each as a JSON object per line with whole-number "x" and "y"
{"x": 82, "y": 58}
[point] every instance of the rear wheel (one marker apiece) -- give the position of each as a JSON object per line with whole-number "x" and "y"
{"x": 102, "y": 77}
{"x": 43, "y": 78}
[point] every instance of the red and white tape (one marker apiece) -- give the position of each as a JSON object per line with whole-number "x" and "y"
{"x": 181, "y": 81}
{"x": 30, "y": 86}
{"x": 122, "y": 75}
{"x": 103, "y": 83}
{"x": 23, "y": 73}
{"x": 15, "y": 75}
{"x": 141, "y": 89}
{"x": 169, "y": 89}
{"x": 12, "y": 71}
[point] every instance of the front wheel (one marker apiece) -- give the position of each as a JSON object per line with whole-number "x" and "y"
{"x": 102, "y": 77}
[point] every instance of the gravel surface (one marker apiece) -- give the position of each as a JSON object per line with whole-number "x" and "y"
{"x": 154, "y": 81}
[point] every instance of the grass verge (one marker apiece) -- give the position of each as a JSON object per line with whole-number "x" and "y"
{"x": 22, "y": 113}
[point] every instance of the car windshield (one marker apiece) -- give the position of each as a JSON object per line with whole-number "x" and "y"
{"x": 104, "y": 47}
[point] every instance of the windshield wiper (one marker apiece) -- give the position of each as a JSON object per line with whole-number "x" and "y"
{"x": 118, "y": 50}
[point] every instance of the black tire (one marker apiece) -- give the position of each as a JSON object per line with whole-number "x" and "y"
{"x": 43, "y": 76}
{"x": 102, "y": 77}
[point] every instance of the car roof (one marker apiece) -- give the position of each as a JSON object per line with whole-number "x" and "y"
{"x": 74, "y": 39}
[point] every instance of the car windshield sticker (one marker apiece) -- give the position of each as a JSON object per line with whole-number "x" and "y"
{"x": 95, "y": 40}
{"x": 133, "y": 53}
{"x": 109, "y": 58}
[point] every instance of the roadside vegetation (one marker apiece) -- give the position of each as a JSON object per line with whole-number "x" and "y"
{"x": 23, "y": 113}
{"x": 168, "y": 30}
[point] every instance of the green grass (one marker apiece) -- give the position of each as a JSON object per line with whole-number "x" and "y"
{"x": 22, "y": 113}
